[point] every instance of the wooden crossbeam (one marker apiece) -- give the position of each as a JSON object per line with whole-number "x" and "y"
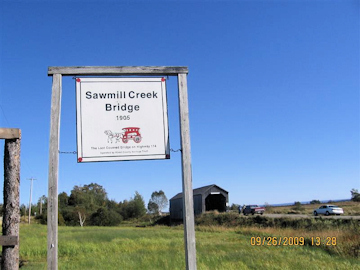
{"x": 114, "y": 71}
{"x": 9, "y": 240}
{"x": 10, "y": 133}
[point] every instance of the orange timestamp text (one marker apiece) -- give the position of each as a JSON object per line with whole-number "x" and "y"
{"x": 292, "y": 241}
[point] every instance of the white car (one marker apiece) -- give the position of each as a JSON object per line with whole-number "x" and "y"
{"x": 328, "y": 210}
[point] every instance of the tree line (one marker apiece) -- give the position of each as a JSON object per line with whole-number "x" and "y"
{"x": 89, "y": 205}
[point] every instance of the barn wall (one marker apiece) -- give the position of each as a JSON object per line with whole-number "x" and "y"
{"x": 198, "y": 204}
{"x": 176, "y": 209}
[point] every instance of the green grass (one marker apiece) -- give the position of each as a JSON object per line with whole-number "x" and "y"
{"x": 162, "y": 248}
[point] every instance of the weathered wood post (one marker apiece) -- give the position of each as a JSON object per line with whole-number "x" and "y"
{"x": 188, "y": 201}
{"x": 52, "y": 212}
{"x": 11, "y": 215}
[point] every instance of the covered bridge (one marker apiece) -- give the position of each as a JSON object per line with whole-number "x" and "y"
{"x": 206, "y": 198}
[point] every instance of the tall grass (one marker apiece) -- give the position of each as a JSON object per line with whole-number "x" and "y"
{"x": 162, "y": 248}
{"x": 345, "y": 232}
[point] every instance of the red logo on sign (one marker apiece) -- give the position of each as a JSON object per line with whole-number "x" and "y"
{"x": 131, "y": 133}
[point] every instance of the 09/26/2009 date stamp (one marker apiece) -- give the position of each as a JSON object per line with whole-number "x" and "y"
{"x": 292, "y": 241}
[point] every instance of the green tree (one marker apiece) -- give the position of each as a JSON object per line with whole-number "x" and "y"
{"x": 63, "y": 200}
{"x": 34, "y": 209}
{"x": 136, "y": 206}
{"x": 61, "y": 220}
{"x": 86, "y": 200}
{"x": 111, "y": 205}
{"x": 43, "y": 219}
{"x": 122, "y": 209}
{"x": 315, "y": 202}
{"x": 105, "y": 217}
{"x": 355, "y": 195}
{"x": 153, "y": 208}
{"x": 90, "y": 196}
{"x": 70, "y": 216}
{"x": 23, "y": 210}
{"x": 158, "y": 198}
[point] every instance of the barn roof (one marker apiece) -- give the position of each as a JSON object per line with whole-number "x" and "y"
{"x": 197, "y": 191}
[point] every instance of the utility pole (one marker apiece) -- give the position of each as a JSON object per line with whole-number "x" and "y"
{"x": 40, "y": 210}
{"x": 31, "y": 184}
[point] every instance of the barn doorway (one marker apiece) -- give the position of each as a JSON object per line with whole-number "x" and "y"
{"x": 215, "y": 202}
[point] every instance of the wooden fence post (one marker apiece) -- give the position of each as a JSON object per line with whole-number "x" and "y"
{"x": 11, "y": 215}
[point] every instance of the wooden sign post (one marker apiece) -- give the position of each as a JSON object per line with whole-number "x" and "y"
{"x": 188, "y": 215}
{"x": 181, "y": 73}
{"x": 11, "y": 216}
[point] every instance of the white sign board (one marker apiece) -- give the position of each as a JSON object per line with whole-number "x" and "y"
{"x": 121, "y": 119}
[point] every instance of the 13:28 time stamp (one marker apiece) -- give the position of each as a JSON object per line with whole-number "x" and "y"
{"x": 325, "y": 241}
{"x": 292, "y": 241}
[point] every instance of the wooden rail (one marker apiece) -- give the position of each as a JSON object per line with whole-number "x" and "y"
{"x": 9, "y": 240}
{"x": 9, "y": 133}
{"x": 117, "y": 71}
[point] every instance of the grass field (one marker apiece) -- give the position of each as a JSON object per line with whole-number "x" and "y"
{"x": 162, "y": 247}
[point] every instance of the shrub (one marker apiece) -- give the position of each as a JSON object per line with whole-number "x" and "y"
{"x": 355, "y": 195}
{"x": 293, "y": 212}
{"x": 162, "y": 220}
{"x": 269, "y": 208}
{"x": 105, "y": 217}
{"x": 43, "y": 219}
{"x": 315, "y": 202}
{"x": 61, "y": 220}
{"x": 298, "y": 207}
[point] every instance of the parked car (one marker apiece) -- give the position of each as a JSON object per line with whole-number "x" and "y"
{"x": 253, "y": 209}
{"x": 328, "y": 209}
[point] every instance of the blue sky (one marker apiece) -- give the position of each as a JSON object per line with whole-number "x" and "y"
{"x": 273, "y": 92}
